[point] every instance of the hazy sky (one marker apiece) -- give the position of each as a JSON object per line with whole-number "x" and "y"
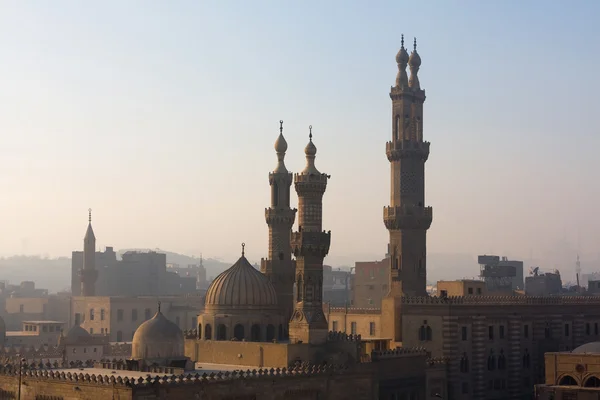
{"x": 161, "y": 117}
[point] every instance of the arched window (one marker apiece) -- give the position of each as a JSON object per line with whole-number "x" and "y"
{"x": 592, "y": 381}
{"x": 281, "y": 332}
{"x": 255, "y": 333}
{"x": 270, "y": 332}
{"x": 397, "y": 129}
{"x": 119, "y": 336}
{"x": 429, "y": 334}
{"x": 221, "y": 332}
{"x": 464, "y": 363}
{"x": 207, "y": 332}
{"x": 275, "y": 194}
{"x": 199, "y": 331}
{"x": 238, "y": 332}
{"x": 501, "y": 360}
{"x": 422, "y": 333}
{"x": 567, "y": 380}
{"x": 491, "y": 362}
{"x": 526, "y": 359}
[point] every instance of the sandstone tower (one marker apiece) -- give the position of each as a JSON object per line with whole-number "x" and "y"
{"x": 407, "y": 218}
{"x": 88, "y": 273}
{"x": 279, "y": 266}
{"x": 310, "y": 246}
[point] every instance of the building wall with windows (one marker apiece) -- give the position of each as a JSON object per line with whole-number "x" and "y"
{"x": 463, "y": 287}
{"x": 119, "y": 317}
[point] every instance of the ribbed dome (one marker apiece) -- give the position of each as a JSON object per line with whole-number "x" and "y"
{"x": 241, "y": 286}
{"x": 157, "y": 338}
{"x": 592, "y": 347}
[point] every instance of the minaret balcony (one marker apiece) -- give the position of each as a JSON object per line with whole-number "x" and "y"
{"x": 310, "y": 243}
{"x": 407, "y": 217}
{"x": 310, "y": 182}
{"x": 284, "y": 216}
{"x": 400, "y": 149}
{"x": 285, "y": 178}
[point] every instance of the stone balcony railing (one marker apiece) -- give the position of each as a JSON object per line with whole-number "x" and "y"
{"x": 311, "y": 243}
{"x": 407, "y": 217}
{"x": 283, "y": 216}
{"x": 400, "y": 149}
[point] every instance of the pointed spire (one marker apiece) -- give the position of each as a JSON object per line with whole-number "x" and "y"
{"x": 89, "y": 233}
{"x": 280, "y": 148}
{"x": 310, "y": 150}
{"x": 243, "y": 251}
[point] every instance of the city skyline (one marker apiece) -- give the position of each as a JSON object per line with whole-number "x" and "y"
{"x": 176, "y": 155}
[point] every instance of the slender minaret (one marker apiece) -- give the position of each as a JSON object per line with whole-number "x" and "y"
{"x": 407, "y": 218}
{"x": 310, "y": 246}
{"x": 88, "y": 273}
{"x": 279, "y": 266}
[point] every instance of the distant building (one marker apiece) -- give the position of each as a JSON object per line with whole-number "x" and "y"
{"x": 337, "y": 286}
{"x": 36, "y": 334}
{"x": 593, "y": 287}
{"x": 546, "y": 284}
{"x": 501, "y": 274}
{"x": 464, "y": 287}
{"x": 20, "y": 309}
{"x": 371, "y": 283}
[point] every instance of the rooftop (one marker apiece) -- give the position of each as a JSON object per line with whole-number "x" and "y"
{"x": 43, "y": 322}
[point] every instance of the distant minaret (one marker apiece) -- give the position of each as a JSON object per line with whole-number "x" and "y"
{"x": 279, "y": 266}
{"x": 310, "y": 246}
{"x": 88, "y": 273}
{"x": 407, "y": 218}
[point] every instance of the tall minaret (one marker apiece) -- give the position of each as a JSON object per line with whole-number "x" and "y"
{"x": 279, "y": 266}
{"x": 88, "y": 273}
{"x": 407, "y": 218}
{"x": 310, "y": 246}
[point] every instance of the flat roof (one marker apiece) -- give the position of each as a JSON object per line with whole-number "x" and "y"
{"x": 44, "y": 322}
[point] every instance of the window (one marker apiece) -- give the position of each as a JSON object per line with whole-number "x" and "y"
{"x": 501, "y": 331}
{"x": 478, "y": 290}
{"x": 501, "y": 360}
{"x": 587, "y": 328}
{"x": 470, "y": 290}
{"x": 370, "y": 301}
{"x": 491, "y": 363}
{"x": 443, "y": 293}
{"x": 465, "y": 387}
{"x": 425, "y": 333}
{"x": 85, "y": 350}
{"x": 567, "y": 329}
{"x": 526, "y": 331}
{"x": 91, "y": 331}
{"x": 45, "y": 329}
{"x": 102, "y": 315}
{"x": 334, "y": 326}
{"x": 147, "y": 314}
{"x": 526, "y": 359}
{"x": 353, "y": 328}
{"x": 119, "y": 315}
{"x": 491, "y": 332}
{"x": 372, "y": 328}
{"x": 95, "y": 350}
{"x": 134, "y": 315}
{"x": 464, "y": 363}
{"x": 463, "y": 332}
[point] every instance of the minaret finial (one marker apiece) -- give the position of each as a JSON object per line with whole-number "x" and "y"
{"x": 243, "y": 251}
{"x": 159, "y": 306}
{"x": 415, "y": 45}
{"x": 402, "y": 41}
{"x": 310, "y": 132}
{"x": 90, "y": 215}
{"x": 281, "y": 127}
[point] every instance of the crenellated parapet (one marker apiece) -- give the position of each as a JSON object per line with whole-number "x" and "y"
{"x": 190, "y": 334}
{"x": 187, "y": 379}
{"x": 438, "y": 361}
{"x": 310, "y": 185}
{"x": 311, "y": 243}
{"x": 398, "y": 352}
{"x": 401, "y": 149}
{"x": 355, "y": 310}
{"x": 333, "y": 336}
{"x": 503, "y": 300}
{"x": 280, "y": 216}
{"x": 407, "y": 217}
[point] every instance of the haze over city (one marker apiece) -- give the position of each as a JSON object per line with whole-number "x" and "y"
{"x": 161, "y": 117}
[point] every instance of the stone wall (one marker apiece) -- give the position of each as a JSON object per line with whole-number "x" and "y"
{"x": 257, "y": 354}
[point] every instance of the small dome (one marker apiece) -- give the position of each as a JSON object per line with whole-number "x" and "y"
{"x": 157, "y": 338}
{"x": 77, "y": 333}
{"x": 402, "y": 56}
{"x": 241, "y": 286}
{"x": 280, "y": 144}
{"x": 310, "y": 149}
{"x": 414, "y": 60}
{"x": 592, "y": 347}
